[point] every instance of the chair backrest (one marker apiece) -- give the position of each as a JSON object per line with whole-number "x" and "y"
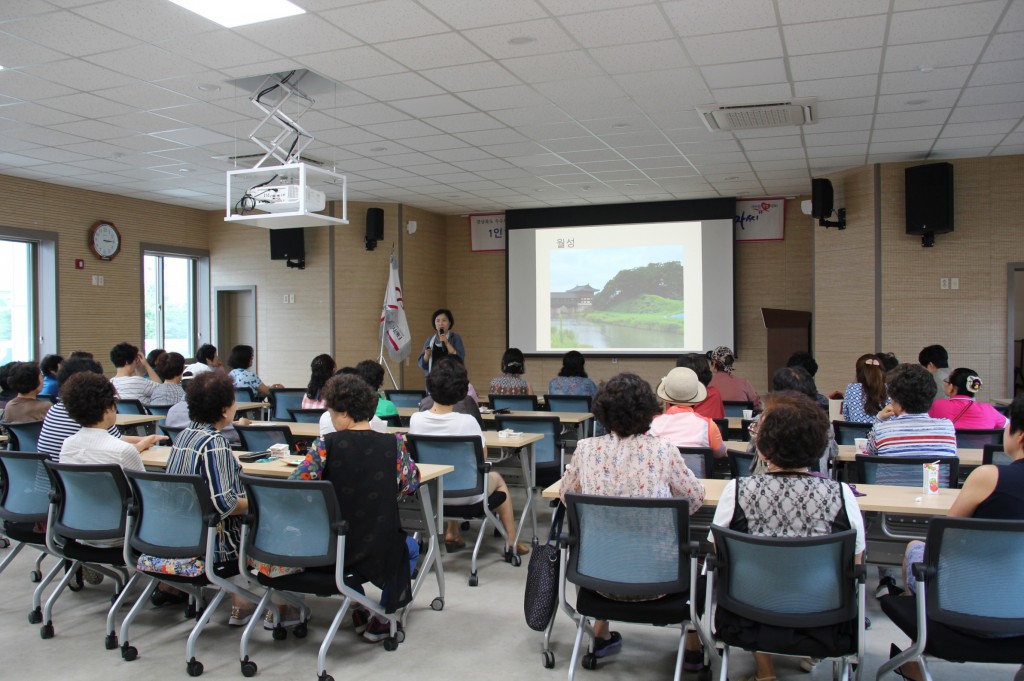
{"x": 723, "y": 428}
{"x": 393, "y": 420}
{"x": 172, "y": 512}
{"x": 547, "y": 452}
{"x": 571, "y": 403}
{"x": 171, "y": 432}
{"x": 306, "y": 415}
{"x": 740, "y": 463}
{"x": 405, "y": 398}
{"x": 812, "y": 578}
{"x": 995, "y": 454}
{"x": 734, "y": 408}
{"x": 133, "y": 407}
{"x": 905, "y": 471}
{"x": 975, "y": 581}
{"x": 700, "y": 460}
{"x": 92, "y": 500}
{"x": 24, "y": 494}
{"x": 976, "y": 438}
{"x": 848, "y": 431}
{"x": 260, "y": 438}
{"x": 292, "y": 523}
{"x": 24, "y": 436}
{"x": 465, "y": 452}
{"x": 513, "y": 402}
{"x": 282, "y": 400}
{"x": 745, "y": 429}
{"x": 52, "y": 399}
{"x": 629, "y": 545}
{"x": 159, "y": 409}
{"x": 245, "y": 395}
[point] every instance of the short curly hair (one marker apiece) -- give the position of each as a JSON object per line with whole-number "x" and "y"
{"x": 170, "y": 365}
{"x": 699, "y": 364}
{"x": 792, "y": 431}
{"x": 77, "y": 365}
{"x": 88, "y": 397}
{"x": 912, "y": 386}
{"x": 626, "y": 405}
{"x": 24, "y": 377}
{"x": 123, "y": 354}
{"x": 208, "y": 395}
{"x": 448, "y": 382}
{"x": 351, "y": 394}
{"x": 372, "y": 372}
{"x": 50, "y": 364}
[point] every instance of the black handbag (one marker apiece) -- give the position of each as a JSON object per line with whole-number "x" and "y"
{"x": 542, "y": 575}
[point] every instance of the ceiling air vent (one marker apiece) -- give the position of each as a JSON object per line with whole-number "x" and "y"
{"x": 752, "y": 116}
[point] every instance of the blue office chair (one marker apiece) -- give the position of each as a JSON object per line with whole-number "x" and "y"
{"x": 159, "y": 409}
{"x": 405, "y": 398}
{"x": 306, "y": 415}
{"x": 171, "y": 433}
{"x": 467, "y": 487}
{"x": 976, "y": 438}
{"x": 735, "y": 408}
{"x": 740, "y": 463}
{"x": 634, "y": 546}
{"x": 969, "y": 605}
{"x": 131, "y": 407}
{"x": 260, "y": 438}
{"x": 283, "y": 400}
{"x": 246, "y": 395}
{"x": 24, "y": 437}
{"x": 905, "y": 470}
{"x": 700, "y": 460}
{"x": 995, "y": 454}
{"x": 848, "y": 431}
{"x": 88, "y": 504}
{"x": 549, "y": 453}
{"x": 815, "y": 585}
{"x": 570, "y": 403}
{"x": 513, "y": 402}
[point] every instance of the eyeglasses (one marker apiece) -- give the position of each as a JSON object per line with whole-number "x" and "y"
{"x": 752, "y": 428}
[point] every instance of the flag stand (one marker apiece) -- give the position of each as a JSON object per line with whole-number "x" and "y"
{"x": 381, "y": 359}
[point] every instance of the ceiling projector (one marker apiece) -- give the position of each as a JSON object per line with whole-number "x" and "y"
{"x": 285, "y": 198}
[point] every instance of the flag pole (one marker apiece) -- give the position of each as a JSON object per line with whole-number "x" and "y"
{"x": 381, "y": 359}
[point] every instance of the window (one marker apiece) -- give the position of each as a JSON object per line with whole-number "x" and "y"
{"x": 170, "y": 295}
{"x": 17, "y": 301}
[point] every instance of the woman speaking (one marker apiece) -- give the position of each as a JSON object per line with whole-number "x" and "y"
{"x": 444, "y": 342}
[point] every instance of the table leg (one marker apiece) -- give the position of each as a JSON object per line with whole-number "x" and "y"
{"x": 434, "y": 525}
{"x": 527, "y": 460}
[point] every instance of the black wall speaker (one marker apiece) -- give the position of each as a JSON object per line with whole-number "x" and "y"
{"x": 374, "y": 227}
{"x": 929, "y": 190}
{"x": 287, "y": 243}
{"x": 821, "y": 198}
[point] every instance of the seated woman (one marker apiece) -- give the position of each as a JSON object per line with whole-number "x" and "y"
{"x": 202, "y": 450}
{"x": 733, "y": 388}
{"x": 320, "y": 371}
{"x": 368, "y": 471}
{"x": 792, "y": 432}
{"x": 910, "y": 431}
{"x": 169, "y": 366}
{"x": 572, "y": 377}
{"x": 680, "y": 390}
{"x": 373, "y": 373}
{"x": 447, "y": 383}
{"x": 240, "y": 360}
{"x": 50, "y": 366}
{"x": 511, "y": 381}
{"x": 25, "y": 380}
{"x": 712, "y": 406}
{"x": 628, "y": 462}
{"x": 993, "y": 492}
{"x": 863, "y": 400}
{"x": 960, "y": 387}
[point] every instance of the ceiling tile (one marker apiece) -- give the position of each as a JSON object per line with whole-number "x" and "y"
{"x": 471, "y": 76}
{"x": 86, "y": 104}
{"x": 916, "y": 81}
{"x": 448, "y": 49}
{"x": 68, "y": 33}
{"x": 550, "y": 67}
{"x": 147, "y": 63}
{"x": 193, "y": 137}
{"x": 833, "y": 36}
{"x": 618, "y": 26}
{"x": 93, "y": 130}
{"x": 351, "y": 63}
{"x": 772, "y": 92}
{"x": 464, "y": 122}
{"x": 535, "y": 115}
{"x": 694, "y": 18}
{"x": 401, "y": 129}
{"x": 987, "y": 112}
{"x": 432, "y": 143}
{"x": 638, "y": 58}
{"x": 144, "y": 96}
{"x": 297, "y": 35}
{"x": 522, "y": 39}
{"x": 978, "y": 128}
{"x": 935, "y": 54}
{"x": 745, "y": 73}
{"x": 924, "y": 132}
{"x": 504, "y": 98}
{"x": 836, "y": 64}
{"x": 724, "y": 48}
{"x": 437, "y": 105}
{"x": 463, "y": 14}
{"x": 1004, "y": 47}
{"x": 368, "y": 113}
{"x": 569, "y": 93}
{"x": 924, "y": 100}
{"x": 397, "y": 86}
{"x": 387, "y": 20}
{"x": 838, "y": 88}
{"x": 34, "y": 114}
{"x": 802, "y": 11}
{"x": 220, "y": 50}
{"x": 993, "y": 94}
{"x": 78, "y": 74}
{"x": 978, "y": 141}
{"x": 502, "y": 136}
{"x": 945, "y": 23}
{"x": 996, "y": 73}
{"x": 905, "y": 119}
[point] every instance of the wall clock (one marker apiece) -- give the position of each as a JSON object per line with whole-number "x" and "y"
{"x": 104, "y": 240}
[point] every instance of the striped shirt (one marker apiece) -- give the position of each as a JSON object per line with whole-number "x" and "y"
{"x": 911, "y": 435}
{"x": 201, "y": 450}
{"x": 57, "y": 427}
{"x": 167, "y": 393}
{"x": 134, "y": 388}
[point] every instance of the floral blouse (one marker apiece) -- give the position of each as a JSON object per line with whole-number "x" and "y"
{"x": 635, "y": 466}
{"x": 312, "y": 467}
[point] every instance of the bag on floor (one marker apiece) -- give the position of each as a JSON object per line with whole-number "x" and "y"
{"x": 542, "y": 578}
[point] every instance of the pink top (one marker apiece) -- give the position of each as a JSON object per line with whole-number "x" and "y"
{"x": 684, "y": 428}
{"x": 735, "y": 389}
{"x": 636, "y": 466}
{"x": 964, "y": 412}
{"x": 308, "y": 403}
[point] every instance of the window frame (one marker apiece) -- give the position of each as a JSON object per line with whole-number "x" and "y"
{"x": 45, "y": 301}
{"x": 200, "y": 287}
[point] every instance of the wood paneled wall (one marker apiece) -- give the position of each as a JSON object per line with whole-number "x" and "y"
{"x": 94, "y": 318}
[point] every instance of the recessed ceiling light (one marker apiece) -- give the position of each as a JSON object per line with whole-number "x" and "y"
{"x": 452, "y": 196}
{"x": 378, "y": 148}
{"x": 117, "y": 155}
{"x": 522, "y": 40}
{"x": 585, "y": 188}
{"x": 731, "y": 177}
{"x": 632, "y": 184}
{"x": 186, "y": 170}
{"x": 208, "y": 87}
{"x": 1, "y": 67}
{"x": 924, "y": 68}
{"x": 539, "y": 189}
{"x": 232, "y": 13}
{"x": 916, "y": 102}
{"x": 620, "y": 126}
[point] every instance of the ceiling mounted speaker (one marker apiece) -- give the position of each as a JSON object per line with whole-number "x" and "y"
{"x": 753, "y": 116}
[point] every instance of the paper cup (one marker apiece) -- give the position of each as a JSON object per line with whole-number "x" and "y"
{"x": 748, "y": 413}
{"x": 861, "y": 443}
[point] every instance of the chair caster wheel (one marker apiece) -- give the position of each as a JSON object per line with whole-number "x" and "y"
{"x": 473, "y": 581}
{"x": 78, "y": 583}
{"x": 400, "y": 636}
{"x": 300, "y": 630}
{"x": 129, "y": 653}
{"x": 280, "y": 633}
{"x": 325, "y": 677}
{"x": 110, "y": 642}
{"x": 390, "y": 643}
{"x": 704, "y": 674}
{"x": 511, "y": 557}
{"x": 248, "y": 667}
{"x": 35, "y": 576}
{"x": 36, "y": 616}
{"x": 464, "y": 526}
{"x": 549, "y": 659}
{"x": 590, "y": 661}
{"x": 46, "y": 631}
{"x": 437, "y": 604}
{"x": 190, "y": 611}
{"x": 194, "y": 667}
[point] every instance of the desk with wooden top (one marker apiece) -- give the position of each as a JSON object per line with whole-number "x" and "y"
{"x": 429, "y": 497}
{"x": 147, "y": 422}
{"x": 969, "y": 458}
{"x": 242, "y": 407}
{"x": 568, "y": 417}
